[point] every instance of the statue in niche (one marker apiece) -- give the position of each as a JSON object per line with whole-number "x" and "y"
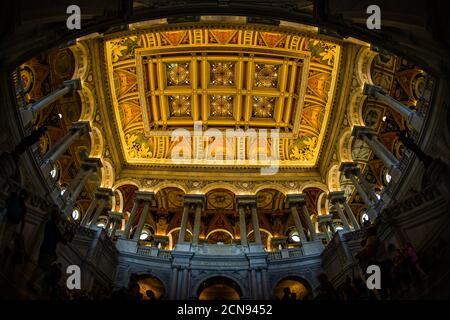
{"x": 277, "y": 226}
{"x": 162, "y": 225}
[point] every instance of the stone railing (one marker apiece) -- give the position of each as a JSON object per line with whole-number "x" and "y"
{"x": 338, "y": 257}
{"x": 154, "y": 252}
{"x": 308, "y": 249}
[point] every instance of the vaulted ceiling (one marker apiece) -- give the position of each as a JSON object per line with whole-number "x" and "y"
{"x": 223, "y": 78}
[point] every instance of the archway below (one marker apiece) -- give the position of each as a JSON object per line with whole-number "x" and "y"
{"x": 219, "y": 288}
{"x": 291, "y": 289}
{"x": 151, "y": 283}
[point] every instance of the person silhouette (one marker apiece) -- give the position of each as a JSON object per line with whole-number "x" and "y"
{"x": 286, "y": 294}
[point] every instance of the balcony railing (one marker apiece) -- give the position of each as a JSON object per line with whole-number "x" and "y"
{"x": 154, "y": 252}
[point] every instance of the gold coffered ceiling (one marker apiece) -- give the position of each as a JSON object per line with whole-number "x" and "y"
{"x": 231, "y": 78}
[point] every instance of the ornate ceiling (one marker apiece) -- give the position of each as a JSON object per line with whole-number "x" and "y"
{"x": 204, "y": 77}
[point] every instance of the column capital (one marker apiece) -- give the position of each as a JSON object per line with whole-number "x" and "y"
{"x": 371, "y": 90}
{"x": 194, "y": 199}
{"x": 324, "y": 218}
{"x": 361, "y": 131}
{"x": 83, "y": 126}
{"x": 349, "y": 168}
{"x": 115, "y": 215}
{"x": 145, "y": 196}
{"x": 73, "y": 84}
{"x": 337, "y": 196}
{"x": 246, "y": 200}
{"x": 94, "y": 163}
{"x": 104, "y": 193}
{"x": 294, "y": 198}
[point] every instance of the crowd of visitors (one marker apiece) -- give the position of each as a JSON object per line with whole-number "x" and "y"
{"x": 401, "y": 268}
{"x": 400, "y": 271}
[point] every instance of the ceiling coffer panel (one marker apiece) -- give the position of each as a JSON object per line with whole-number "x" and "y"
{"x": 240, "y": 96}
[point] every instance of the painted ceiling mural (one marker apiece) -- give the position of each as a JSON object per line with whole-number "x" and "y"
{"x": 201, "y": 78}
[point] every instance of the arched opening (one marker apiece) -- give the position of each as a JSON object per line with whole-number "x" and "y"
{"x": 219, "y": 288}
{"x": 292, "y": 288}
{"x": 266, "y": 238}
{"x": 219, "y": 236}
{"x": 173, "y": 237}
{"x": 151, "y": 287}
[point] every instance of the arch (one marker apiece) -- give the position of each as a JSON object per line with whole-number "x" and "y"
{"x": 296, "y": 284}
{"x": 169, "y": 235}
{"x": 314, "y": 184}
{"x": 97, "y": 143}
{"x": 125, "y": 181}
{"x": 355, "y": 107}
{"x": 197, "y": 289}
{"x": 273, "y": 186}
{"x": 166, "y": 185}
{"x": 222, "y": 185}
{"x": 262, "y": 230}
{"x": 345, "y": 146}
{"x": 81, "y": 56}
{"x": 151, "y": 282}
{"x": 87, "y": 103}
{"x": 118, "y": 207}
{"x": 219, "y": 230}
{"x": 108, "y": 174}
{"x": 322, "y": 204}
{"x": 333, "y": 177}
{"x": 364, "y": 64}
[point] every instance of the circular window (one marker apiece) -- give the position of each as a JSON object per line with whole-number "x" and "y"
{"x": 294, "y": 236}
{"x": 144, "y": 235}
{"x": 76, "y": 214}
{"x": 364, "y": 217}
{"x": 387, "y": 177}
{"x": 53, "y": 173}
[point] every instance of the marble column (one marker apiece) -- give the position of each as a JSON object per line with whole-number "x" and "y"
{"x": 350, "y": 171}
{"x": 292, "y": 200}
{"x": 78, "y": 129}
{"x": 88, "y": 167}
{"x": 331, "y": 225}
{"x": 147, "y": 198}
{"x": 413, "y": 118}
{"x": 350, "y": 214}
{"x": 116, "y": 218}
{"x": 29, "y": 113}
{"x": 367, "y": 187}
{"x": 89, "y": 211}
{"x": 336, "y": 198}
{"x": 186, "y": 275}
{"x": 265, "y": 284}
{"x": 104, "y": 195}
{"x": 174, "y": 283}
{"x": 184, "y": 220}
{"x": 132, "y": 217}
{"x": 369, "y": 137}
{"x": 254, "y": 284}
{"x": 197, "y": 222}
{"x": 255, "y": 221}
{"x": 301, "y": 200}
{"x": 242, "y": 226}
{"x": 327, "y": 224}
{"x": 324, "y": 226}
{"x": 244, "y": 202}
{"x": 109, "y": 222}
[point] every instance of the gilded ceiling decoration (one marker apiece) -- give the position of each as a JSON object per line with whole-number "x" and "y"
{"x": 235, "y": 78}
